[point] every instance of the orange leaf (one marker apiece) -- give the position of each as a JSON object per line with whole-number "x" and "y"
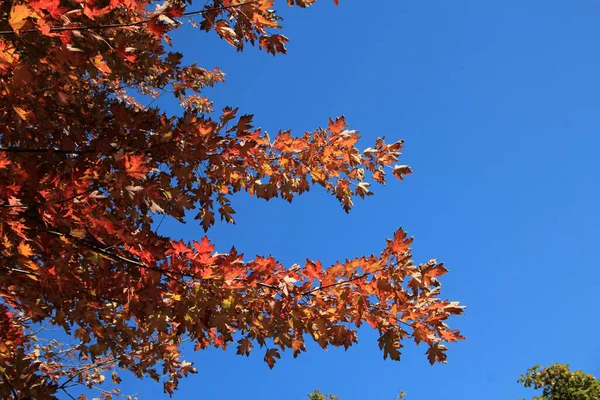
{"x": 7, "y": 55}
{"x": 401, "y": 170}
{"x": 25, "y": 249}
{"x": 313, "y": 270}
{"x": 337, "y": 126}
{"x": 436, "y": 271}
{"x": 22, "y": 113}
{"x": 101, "y": 64}
{"x": 134, "y": 165}
{"x": 400, "y": 244}
{"x": 4, "y": 161}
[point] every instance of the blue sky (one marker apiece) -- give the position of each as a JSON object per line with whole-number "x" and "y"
{"x": 498, "y": 105}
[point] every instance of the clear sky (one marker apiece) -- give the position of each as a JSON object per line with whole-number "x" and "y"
{"x": 498, "y": 102}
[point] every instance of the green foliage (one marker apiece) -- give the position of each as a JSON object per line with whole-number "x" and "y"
{"x": 401, "y": 395}
{"x": 318, "y": 395}
{"x": 558, "y": 382}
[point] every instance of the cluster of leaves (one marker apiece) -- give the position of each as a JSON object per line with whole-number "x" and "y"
{"x": 85, "y": 170}
{"x": 319, "y": 395}
{"x": 558, "y": 382}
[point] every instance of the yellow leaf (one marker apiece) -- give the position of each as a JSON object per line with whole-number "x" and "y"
{"x": 7, "y": 55}
{"x": 22, "y": 113}
{"x": 226, "y": 304}
{"x": 18, "y": 16}
{"x": 101, "y": 64}
{"x": 25, "y": 249}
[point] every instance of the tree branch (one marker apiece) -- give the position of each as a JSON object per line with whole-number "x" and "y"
{"x": 126, "y": 24}
{"x": 67, "y": 393}
{"x": 12, "y": 389}
{"x": 42, "y": 150}
{"x": 85, "y": 369}
{"x": 169, "y": 274}
{"x": 75, "y": 196}
{"x": 22, "y": 271}
{"x": 338, "y": 283}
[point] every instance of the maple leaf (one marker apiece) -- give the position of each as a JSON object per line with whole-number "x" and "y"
{"x": 298, "y": 347}
{"x": 179, "y": 247}
{"x": 270, "y": 357}
{"x": 338, "y": 126}
{"x": 389, "y": 345}
{"x": 19, "y": 15}
{"x": 400, "y": 243}
{"x": 362, "y": 189}
{"x": 101, "y": 64}
{"x": 157, "y": 28}
{"x": 244, "y": 347}
{"x": 4, "y": 161}
{"x": 135, "y": 166}
{"x": 274, "y": 44}
{"x": 436, "y": 271}
{"x": 436, "y": 353}
{"x": 8, "y": 55}
{"x": 401, "y": 170}
{"x": 207, "y": 217}
{"x": 23, "y": 113}
{"x": 313, "y": 270}
{"x": 204, "y": 247}
{"x": 25, "y": 249}
{"x": 50, "y": 6}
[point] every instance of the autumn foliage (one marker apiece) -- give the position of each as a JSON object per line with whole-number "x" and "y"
{"x": 86, "y": 172}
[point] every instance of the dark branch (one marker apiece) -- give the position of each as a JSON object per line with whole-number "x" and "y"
{"x": 67, "y": 393}
{"x": 42, "y": 150}
{"x": 124, "y": 25}
{"x": 336, "y": 284}
{"x": 75, "y": 196}
{"x": 169, "y": 274}
{"x": 12, "y": 389}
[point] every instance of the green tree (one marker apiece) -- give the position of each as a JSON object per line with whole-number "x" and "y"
{"x": 318, "y": 395}
{"x": 558, "y": 382}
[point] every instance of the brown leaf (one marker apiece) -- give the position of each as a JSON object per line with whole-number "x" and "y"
{"x": 270, "y": 357}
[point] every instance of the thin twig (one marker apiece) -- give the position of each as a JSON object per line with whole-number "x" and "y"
{"x": 67, "y": 393}
{"x": 85, "y": 369}
{"x": 85, "y": 192}
{"x": 338, "y": 283}
{"x": 22, "y": 271}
